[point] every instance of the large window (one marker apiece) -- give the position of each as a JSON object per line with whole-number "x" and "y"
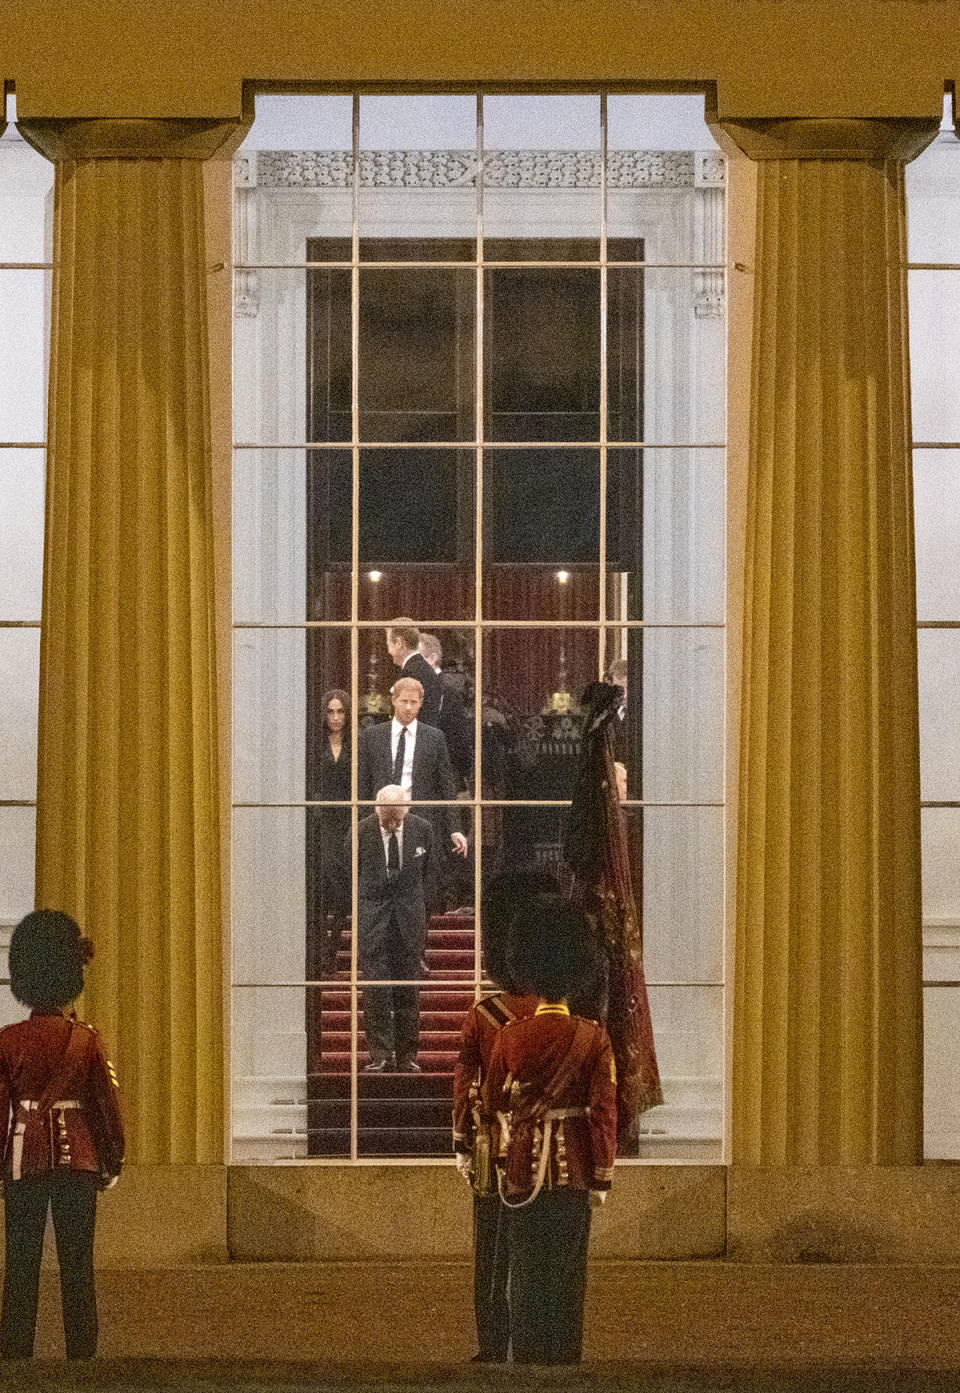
{"x": 479, "y": 382}
{"x": 933, "y": 206}
{"x": 26, "y": 182}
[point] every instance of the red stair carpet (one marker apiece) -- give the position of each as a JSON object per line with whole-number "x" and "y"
{"x": 397, "y": 1114}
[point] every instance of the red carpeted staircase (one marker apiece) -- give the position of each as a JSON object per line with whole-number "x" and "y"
{"x": 397, "y": 1114}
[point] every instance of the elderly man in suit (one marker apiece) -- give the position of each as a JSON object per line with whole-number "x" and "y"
{"x": 394, "y": 853}
{"x": 407, "y": 752}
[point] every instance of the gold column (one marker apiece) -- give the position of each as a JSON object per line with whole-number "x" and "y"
{"x": 828, "y": 1027}
{"x": 128, "y": 785}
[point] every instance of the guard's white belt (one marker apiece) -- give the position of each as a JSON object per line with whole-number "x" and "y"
{"x": 30, "y": 1103}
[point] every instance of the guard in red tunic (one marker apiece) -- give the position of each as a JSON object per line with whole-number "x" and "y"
{"x": 551, "y": 1086}
{"x": 63, "y": 1133}
{"x": 503, "y": 907}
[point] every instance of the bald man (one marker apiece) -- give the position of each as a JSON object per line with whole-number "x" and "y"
{"x": 395, "y": 855}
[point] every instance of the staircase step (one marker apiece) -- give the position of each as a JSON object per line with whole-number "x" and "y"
{"x": 430, "y": 1062}
{"x": 380, "y": 1112}
{"x": 451, "y": 938}
{"x": 426, "y": 1087}
{"x": 431, "y": 1041}
{"x": 452, "y": 999}
{"x": 448, "y": 1021}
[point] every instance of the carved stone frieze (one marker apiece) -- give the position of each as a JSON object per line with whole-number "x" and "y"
{"x": 502, "y": 169}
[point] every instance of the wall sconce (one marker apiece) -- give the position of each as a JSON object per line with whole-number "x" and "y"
{"x": 563, "y": 577}
{"x": 375, "y": 576}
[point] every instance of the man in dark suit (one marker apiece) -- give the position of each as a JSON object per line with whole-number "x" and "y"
{"x": 407, "y": 752}
{"x": 452, "y": 719}
{"x": 394, "y": 854}
{"x": 403, "y": 638}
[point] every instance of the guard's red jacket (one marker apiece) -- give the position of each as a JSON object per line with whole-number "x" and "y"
{"x": 528, "y": 1057}
{"x": 88, "y": 1137}
{"x": 481, "y": 1026}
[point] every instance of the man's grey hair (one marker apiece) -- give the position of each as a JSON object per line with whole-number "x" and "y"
{"x": 429, "y": 646}
{"x": 392, "y": 793}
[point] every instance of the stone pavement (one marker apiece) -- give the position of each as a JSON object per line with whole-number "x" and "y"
{"x": 663, "y": 1327}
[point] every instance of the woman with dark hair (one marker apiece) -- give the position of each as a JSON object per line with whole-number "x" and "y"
{"x": 332, "y": 826}
{"x": 63, "y": 1133}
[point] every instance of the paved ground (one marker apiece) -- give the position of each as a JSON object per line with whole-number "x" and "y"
{"x": 120, "y": 1376}
{"x": 664, "y": 1327}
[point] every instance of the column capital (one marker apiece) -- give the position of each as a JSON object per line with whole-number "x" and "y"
{"x": 828, "y": 138}
{"x": 147, "y": 138}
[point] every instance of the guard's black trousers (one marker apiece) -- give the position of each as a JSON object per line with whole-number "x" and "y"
{"x": 491, "y": 1270}
{"x": 548, "y": 1277}
{"x": 73, "y": 1199}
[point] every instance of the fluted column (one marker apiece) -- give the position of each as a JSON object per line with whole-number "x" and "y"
{"x": 127, "y": 798}
{"x": 828, "y": 1029}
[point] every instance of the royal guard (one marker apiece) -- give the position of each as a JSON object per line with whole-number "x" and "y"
{"x": 59, "y": 1102}
{"x": 550, "y": 1093}
{"x": 503, "y": 912}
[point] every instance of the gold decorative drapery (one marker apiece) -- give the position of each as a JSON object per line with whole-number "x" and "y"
{"x": 828, "y": 1033}
{"x": 127, "y": 800}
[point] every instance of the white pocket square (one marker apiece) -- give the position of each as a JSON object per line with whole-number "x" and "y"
{"x": 420, "y": 851}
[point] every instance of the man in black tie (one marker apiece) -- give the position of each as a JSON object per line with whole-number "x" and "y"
{"x": 404, "y": 751}
{"x": 395, "y": 866}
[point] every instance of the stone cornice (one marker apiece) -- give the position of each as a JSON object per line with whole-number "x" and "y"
{"x": 830, "y": 138}
{"x": 503, "y": 169}
{"x": 135, "y": 139}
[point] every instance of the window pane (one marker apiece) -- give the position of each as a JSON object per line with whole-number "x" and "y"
{"x": 275, "y": 363}
{"x": 657, "y": 122}
{"x": 542, "y": 355}
{"x": 417, "y": 355}
{"x": 688, "y": 1031}
{"x": 682, "y": 686}
{"x": 269, "y": 715}
{"x": 19, "y": 687}
{"x": 940, "y": 834}
{"x": 26, "y": 186}
{"x": 418, "y": 162}
{"x": 682, "y": 891}
{"x": 23, "y": 355}
{"x": 532, "y": 678}
{"x": 18, "y": 833}
{"x": 665, "y": 535}
{"x": 938, "y": 654}
{"x": 933, "y": 201}
{"x": 934, "y": 371}
{"x": 21, "y": 533}
{"x": 269, "y": 1087}
{"x": 541, "y": 533}
{"x": 665, "y": 380}
{"x": 936, "y": 497}
{"x": 535, "y": 147}
{"x": 293, "y": 177}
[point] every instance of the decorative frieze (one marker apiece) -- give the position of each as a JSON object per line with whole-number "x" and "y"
{"x": 502, "y": 169}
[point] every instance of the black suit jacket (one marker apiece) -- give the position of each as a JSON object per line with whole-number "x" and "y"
{"x": 457, "y": 728}
{"x": 417, "y": 666}
{"x": 432, "y": 774}
{"x": 392, "y": 909}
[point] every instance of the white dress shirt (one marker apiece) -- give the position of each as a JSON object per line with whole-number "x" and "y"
{"x": 385, "y": 837}
{"x": 406, "y": 778}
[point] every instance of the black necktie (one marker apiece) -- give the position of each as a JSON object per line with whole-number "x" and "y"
{"x": 393, "y": 856}
{"x": 399, "y": 756}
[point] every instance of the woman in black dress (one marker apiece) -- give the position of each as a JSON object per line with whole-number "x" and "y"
{"x": 332, "y": 825}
